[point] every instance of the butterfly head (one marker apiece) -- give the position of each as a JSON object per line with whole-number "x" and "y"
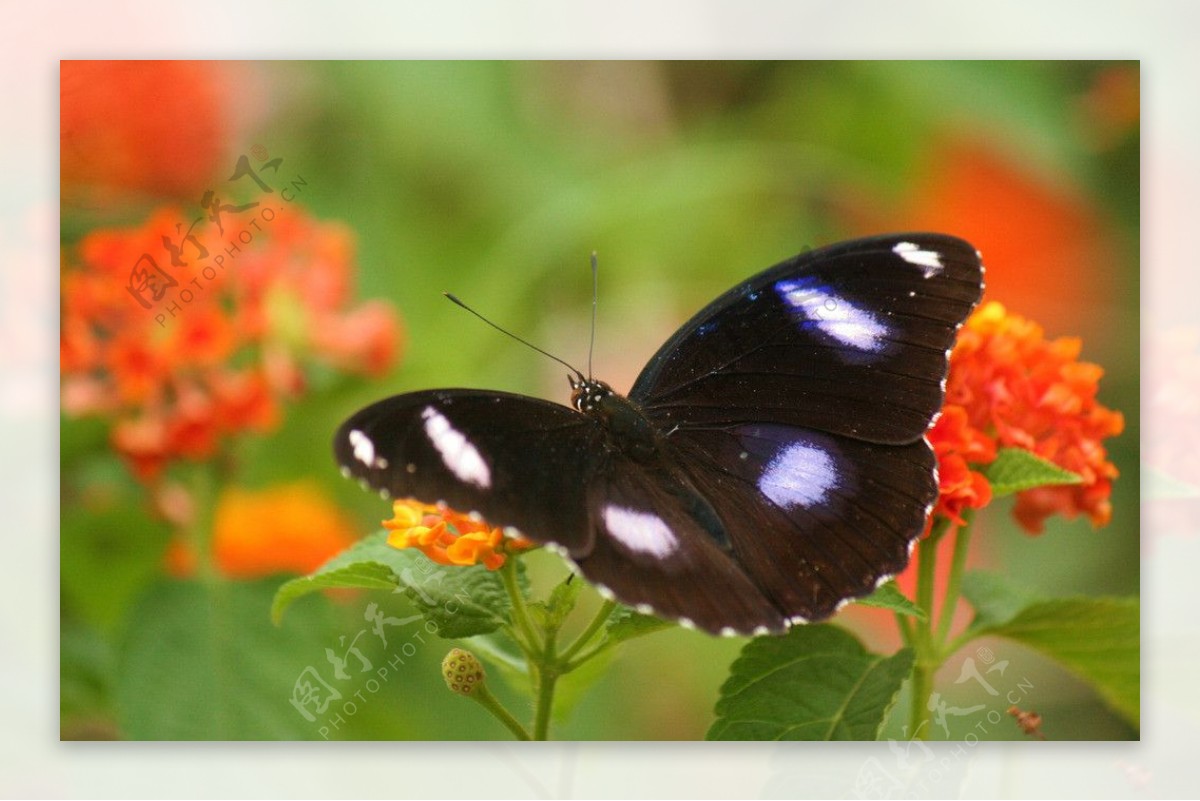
{"x": 588, "y": 393}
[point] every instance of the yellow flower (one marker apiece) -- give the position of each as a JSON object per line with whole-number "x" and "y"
{"x": 449, "y": 537}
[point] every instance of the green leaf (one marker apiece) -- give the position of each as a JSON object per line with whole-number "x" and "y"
{"x": 549, "y": 616}
{"x": 1097, "y": 639}
{"x": 1017, "y": 469}
{"x": 888, "y": 596}
{"x": 626, "y": 623}
{"x": 365, "y": 575}
{"x": 459, "y": 601}
{"x": 813, "y": 683}
{"x": 995, "y": 599}
{"x": 203, "y": 662}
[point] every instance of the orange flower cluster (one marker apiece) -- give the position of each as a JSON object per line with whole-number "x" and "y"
{"x": 222, "y": 361}
{"x": 957, "y": 445}
{"x": 1011, "y": 387}
{"x": 293, "y": 528}
{"x": 449, "y": 537}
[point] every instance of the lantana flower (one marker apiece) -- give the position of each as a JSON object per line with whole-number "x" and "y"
{"x": 448, "y": 537}
{"x": 1011, "y": 387}
{"x": 178, "y": 378}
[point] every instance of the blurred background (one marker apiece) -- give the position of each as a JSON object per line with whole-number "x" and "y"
{"x": 496, "y": 180}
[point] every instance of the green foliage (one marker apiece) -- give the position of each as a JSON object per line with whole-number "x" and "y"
{"x": 626, "y": 623}
{"x": 459, "y": 601}
{"x": 203, "y": 662}
{"x": 888, "y": 596}
{"x": 551, "y": 614}
{"x": 1017, "y": 469}
{"x": 1095, "y": 638}
{"x": 814, "y": 683}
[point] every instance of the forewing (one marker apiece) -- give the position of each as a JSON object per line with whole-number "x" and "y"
{"x": 851, "y": 339}
{"x": 518, "y": 461}
{"x": 814, "y": 518}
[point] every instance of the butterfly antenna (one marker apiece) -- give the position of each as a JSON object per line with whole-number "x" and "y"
{"x": 595, "y": 293}
{"x": 514, "y": 336}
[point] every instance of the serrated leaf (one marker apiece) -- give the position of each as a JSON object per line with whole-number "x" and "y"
{"x": 626, "y": 623}
{"x": 888, "y": 596}
{"x": 365, "y": 575}
{"x": 1016, "y": 470}
{"x": 460, "y": 601}
{"x": 1097, "y": 639}
{"x": 203, "y": 662}
{"x": 549, "y": 615}
{"x": 816, "y": 682}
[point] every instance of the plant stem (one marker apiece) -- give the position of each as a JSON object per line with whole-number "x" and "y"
{"x": 489, "y": 702}
{"x": 548, "y": 672}
{"x": 508, "y": 573}
{"x": 927, "y": 656}
{"x": 962, "y": 542}
{"x": 906, "y": 632}
{"x": 583, "y": 639}
{"x": 922, "y": 688}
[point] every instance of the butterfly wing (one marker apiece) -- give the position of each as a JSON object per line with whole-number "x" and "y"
{"x": 815, "y": 519}
{"x": 551, "y": 473}
{"x": 517, "y": 461}
{"x": 797, "y": 403}
{"x": 651, "y": 548}
{"x": 850, "y": 339}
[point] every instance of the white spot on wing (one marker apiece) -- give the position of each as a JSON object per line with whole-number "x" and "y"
{"x": 800, "y": 475}
{"x": 930, "y": 261}
{"x": 834, "y": 315}
{"x": 458, "y": 454}
{"x": 642, "y": 532}
{"x": 364, "y": 449}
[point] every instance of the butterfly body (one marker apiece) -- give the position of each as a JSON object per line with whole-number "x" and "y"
{"x": 768, "y": 465}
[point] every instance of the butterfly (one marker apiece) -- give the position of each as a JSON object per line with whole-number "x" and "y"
{"x": 768, "y": 466}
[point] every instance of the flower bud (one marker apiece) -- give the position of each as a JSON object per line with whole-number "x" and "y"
{"x": 463, "y": 671}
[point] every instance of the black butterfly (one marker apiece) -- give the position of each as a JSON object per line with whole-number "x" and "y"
{"x": 769, "y": 464}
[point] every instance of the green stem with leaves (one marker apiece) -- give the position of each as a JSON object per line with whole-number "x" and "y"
{"x": 548, "y": 673}
{"x": 520, "y": 614}
{"x": 539, "y": 644}
{"x": 929, "y": 638}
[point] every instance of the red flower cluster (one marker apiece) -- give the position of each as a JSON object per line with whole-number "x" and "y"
{"x": 133, "y": 127}
{"x": 1010, "y": 387}
{"x": 220, "y": 364}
